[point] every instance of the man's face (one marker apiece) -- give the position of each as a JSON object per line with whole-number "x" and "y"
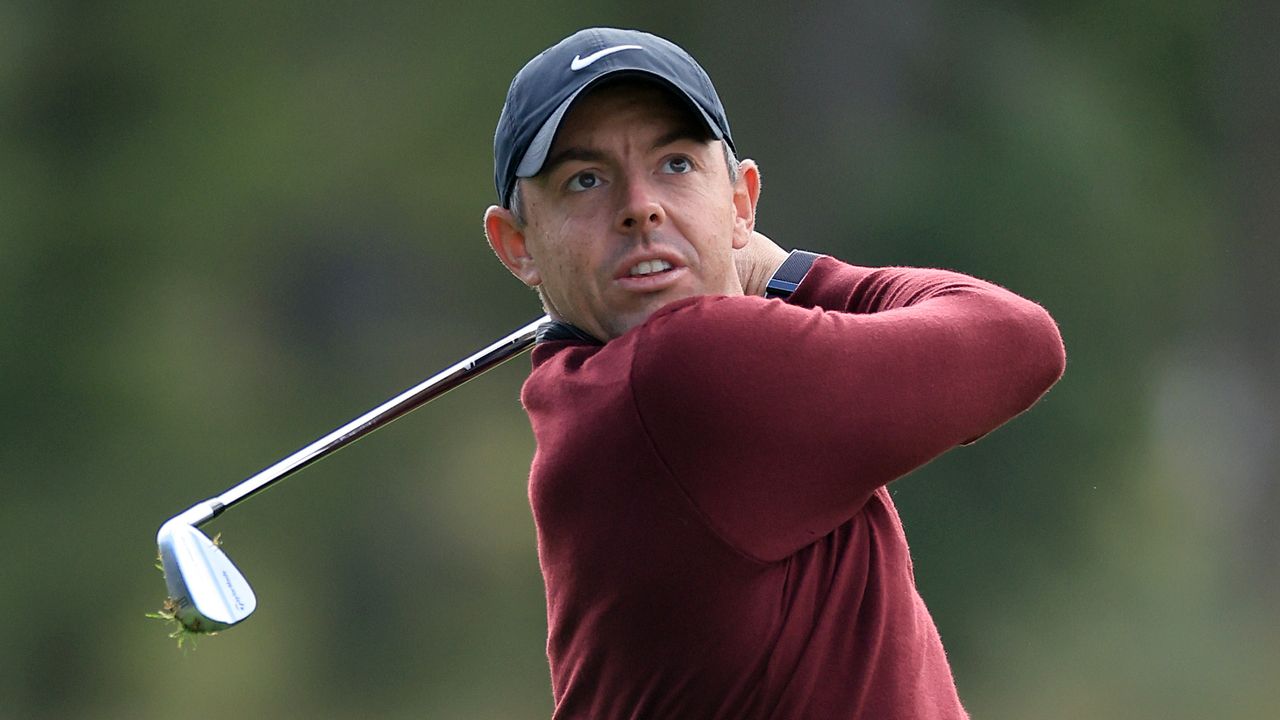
{"x": 633, "y": 209}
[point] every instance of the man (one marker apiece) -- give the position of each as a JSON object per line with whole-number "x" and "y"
{"x": 709, "y": 492}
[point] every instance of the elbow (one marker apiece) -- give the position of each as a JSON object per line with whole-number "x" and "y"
{"x": 1034, "y": 360}
{"x": 1058, "y": 364}
{"x": 1045, "y": 355}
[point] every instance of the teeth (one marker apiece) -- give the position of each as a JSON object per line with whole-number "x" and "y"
{"x": 649, "y": 267}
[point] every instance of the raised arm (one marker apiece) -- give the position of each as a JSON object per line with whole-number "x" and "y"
{"x": 780, "y": 419}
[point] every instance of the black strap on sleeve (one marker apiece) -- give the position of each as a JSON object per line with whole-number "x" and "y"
{"x": 788, "y": 275}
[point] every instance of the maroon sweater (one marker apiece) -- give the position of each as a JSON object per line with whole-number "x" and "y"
{"x": 709, "y": 492}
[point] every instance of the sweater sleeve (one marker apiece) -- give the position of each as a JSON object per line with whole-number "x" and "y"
{"x": 778, "y": 420}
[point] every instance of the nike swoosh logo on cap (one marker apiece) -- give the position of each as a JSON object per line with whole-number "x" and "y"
{"x": 580, "y": 62}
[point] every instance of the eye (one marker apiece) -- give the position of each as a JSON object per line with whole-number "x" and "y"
{"x": 583, "y": 181}
{"x": 677, "y": 165}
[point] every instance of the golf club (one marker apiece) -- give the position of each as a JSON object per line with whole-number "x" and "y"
{"x": 206, "y": 591}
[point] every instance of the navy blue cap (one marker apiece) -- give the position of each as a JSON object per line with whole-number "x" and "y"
{"x": 546, "y": 87}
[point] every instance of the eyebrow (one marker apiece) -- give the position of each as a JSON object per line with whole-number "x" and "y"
{"x": 586, "y": 154}
{"x": 570, "y": 153}
{"x": 686, "y": 132}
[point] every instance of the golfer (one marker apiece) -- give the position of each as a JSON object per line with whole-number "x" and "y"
{"x": 717, "y": 418}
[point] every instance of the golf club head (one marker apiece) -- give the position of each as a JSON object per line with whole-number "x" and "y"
{"x": 208, "y": 592}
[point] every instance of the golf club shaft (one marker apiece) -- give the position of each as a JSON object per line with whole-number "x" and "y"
{"x": 411, "y": 399}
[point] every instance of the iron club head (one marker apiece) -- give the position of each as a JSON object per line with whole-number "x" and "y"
{"x": 208, "y": 592}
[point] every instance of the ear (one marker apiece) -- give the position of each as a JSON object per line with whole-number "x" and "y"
{"x": 508, "y": 241}
{"x": 746, "y": 193}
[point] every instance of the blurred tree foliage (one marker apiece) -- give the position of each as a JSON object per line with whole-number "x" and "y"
{"x": 226, "y": 228}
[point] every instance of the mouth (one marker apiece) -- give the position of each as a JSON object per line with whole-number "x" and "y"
{"x": 649, "y": 275}
{"x": 646, "y": 268}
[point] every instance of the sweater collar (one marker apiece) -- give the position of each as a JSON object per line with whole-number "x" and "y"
{"x": 560, "y": 330}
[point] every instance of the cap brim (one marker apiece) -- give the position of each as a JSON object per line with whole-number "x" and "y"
{"x": 536, "y": 155}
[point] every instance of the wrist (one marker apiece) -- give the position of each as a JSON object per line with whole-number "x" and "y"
{"x": 789, "y": 274}
{"x": 760, "y": 266}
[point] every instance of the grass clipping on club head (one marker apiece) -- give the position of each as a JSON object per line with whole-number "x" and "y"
{"x": 169, "y": 613}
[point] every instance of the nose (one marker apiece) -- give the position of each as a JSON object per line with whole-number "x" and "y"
{"x": 641, "y": 209}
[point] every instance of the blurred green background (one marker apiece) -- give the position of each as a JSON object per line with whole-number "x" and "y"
{"x": 226, "y": 228}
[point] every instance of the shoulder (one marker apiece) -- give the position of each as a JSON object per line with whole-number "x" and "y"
{"x": 701, "y": 318}
{"x": 696, "y": 334}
